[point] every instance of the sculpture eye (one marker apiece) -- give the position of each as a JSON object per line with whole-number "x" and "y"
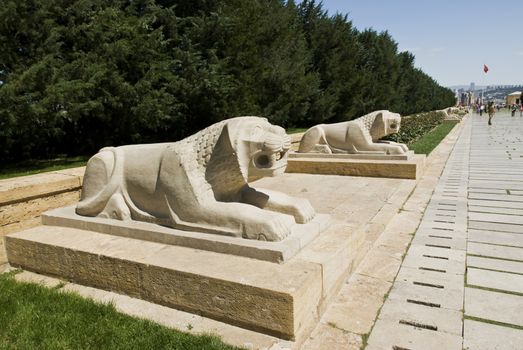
{"x": 256, "y": 132}
{"x": 263, "y": 160}
{"x": 393, "y": 126}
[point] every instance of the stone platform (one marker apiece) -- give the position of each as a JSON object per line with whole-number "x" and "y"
{"x": 278, "y": 252}
{"x": 285, "y": 300}
{"x": 353, "y": 165}
{"x": 362, "y": 156}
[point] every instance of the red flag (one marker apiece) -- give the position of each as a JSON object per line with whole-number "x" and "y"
{"x": 485, "y": 68}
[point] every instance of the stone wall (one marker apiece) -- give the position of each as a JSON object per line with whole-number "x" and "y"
{"x": 24, "y": 199}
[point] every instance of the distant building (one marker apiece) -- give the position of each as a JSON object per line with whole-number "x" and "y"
{"x": 514, "y": 97}
{"x": 472, "y": 86}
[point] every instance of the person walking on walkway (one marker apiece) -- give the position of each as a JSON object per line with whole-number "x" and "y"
{"x": 491, "y": 111}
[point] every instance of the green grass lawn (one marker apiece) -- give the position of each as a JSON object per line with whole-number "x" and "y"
{"x": 296, "y": 130}
{"x": 429, "y": 141}
{"x": 36, "y": 317}
{"x": 41, "y": 166}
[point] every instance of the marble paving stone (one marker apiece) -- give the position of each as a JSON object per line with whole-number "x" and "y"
{"x": 445, "y": 298}
{"x": 505, "y": 219}
{"x": 387, "y": 335}
{"x": 496, "y": 251}
{"x": 328, "y": 337}
{"x": 496, "y": 280}
{"x": 495, "y": 210}
{"x": 443, "y": 320}
{"x": 453, "y": 267}
{"x": 503, "y": 238}
{"x": 500, "y": 307}
{"x": 31, "y": 277}
{"x": 435, "y": 242}
{"x": 499, "y": 204}
{"x": 448, "y": 281}
{"x": 495, "y": 197}
{"x": 381, "y": 265}
{"x": 495, "y": 264}
{"x": 485, "y": 336}
{"x": 450, "y": 254}
{"x": 492, "y": 226}
{"x": 357, "y": 304}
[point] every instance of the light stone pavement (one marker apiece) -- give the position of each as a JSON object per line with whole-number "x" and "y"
{"x": 460, "y": 285}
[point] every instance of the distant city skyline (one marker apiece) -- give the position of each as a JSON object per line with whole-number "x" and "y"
{"x": 450, "y": 39}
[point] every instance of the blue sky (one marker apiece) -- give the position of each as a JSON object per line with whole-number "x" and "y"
{"x": 451, "y": 39}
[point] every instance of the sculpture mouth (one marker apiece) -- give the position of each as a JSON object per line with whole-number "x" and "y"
{"x": 270, "y": 160}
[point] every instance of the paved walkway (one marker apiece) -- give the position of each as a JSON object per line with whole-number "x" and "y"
{"x": 460, "y": 285}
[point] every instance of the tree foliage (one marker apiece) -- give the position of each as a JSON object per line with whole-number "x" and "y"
{"x": 77, "y": 75}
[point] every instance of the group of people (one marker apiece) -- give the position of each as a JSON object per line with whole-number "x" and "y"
{"x": 491, "y": 108}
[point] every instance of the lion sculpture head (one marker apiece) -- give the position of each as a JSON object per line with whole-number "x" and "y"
{"x": 385, "y": 123}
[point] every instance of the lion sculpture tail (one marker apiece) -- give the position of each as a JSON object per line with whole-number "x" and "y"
{"x": 101, "y": 192}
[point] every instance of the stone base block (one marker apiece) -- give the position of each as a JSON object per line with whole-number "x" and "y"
{"x": 362, "y": 156}
{"x": 270, "y": 251}
{"x": 277, "y": 299}
{"x": 401, "y": 169}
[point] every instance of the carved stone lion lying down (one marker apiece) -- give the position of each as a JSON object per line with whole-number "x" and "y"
{"x": 198, "y": 183}
{"x": 358, "y": 136}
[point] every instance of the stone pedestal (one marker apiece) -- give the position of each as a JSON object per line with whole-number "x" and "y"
{"x": 358, "y": 165}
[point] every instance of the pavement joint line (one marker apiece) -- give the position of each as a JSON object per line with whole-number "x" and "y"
{"x": 499, "y": 245}
{"x": 489, "y": 212}
{"x": 494, "y": 270}
{"x": 497, "y": 323}
{"x": 494, "y": 257}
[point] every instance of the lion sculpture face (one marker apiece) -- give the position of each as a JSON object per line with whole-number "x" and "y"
{"x": 385, "y": 123}
{"x": 261, "y": 148}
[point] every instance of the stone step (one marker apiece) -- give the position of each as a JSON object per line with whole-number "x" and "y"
{"x": 276, "y": 299}
{"x": 401, "y": 169}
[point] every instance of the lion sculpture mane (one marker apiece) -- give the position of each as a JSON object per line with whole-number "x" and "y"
{"x": 199, "y": 183}
{"x": 358, "y": 136}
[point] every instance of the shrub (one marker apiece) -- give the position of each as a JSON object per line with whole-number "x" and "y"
{"x": 417, "y": 125}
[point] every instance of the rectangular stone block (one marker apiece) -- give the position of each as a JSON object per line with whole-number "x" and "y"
{"x": 392, "y": 335}
{"x": 402, "y": 169}
{"x": 366, "y": 156}
{"x": 440, "y": 319}
{"x": 495, "y": 251}
{"x": 447, "y": 298}
{"x": 269, "y": 251}
{"x": 495, "y": 280}
{"x": 480, "y": 335}
{"x": 500, "y": 307}
{"x": 357, "y": 304}
{"x": 495, "y": 264}
{"x": 501, "y": 238}
{"x": 277, "y": 299}
{"x": 27, "y": 210}
{"x": 28, "y": 187}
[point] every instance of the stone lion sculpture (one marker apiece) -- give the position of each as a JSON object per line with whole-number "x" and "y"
{"x": 199, "y": 183}
{"x": 358, "y": 136}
